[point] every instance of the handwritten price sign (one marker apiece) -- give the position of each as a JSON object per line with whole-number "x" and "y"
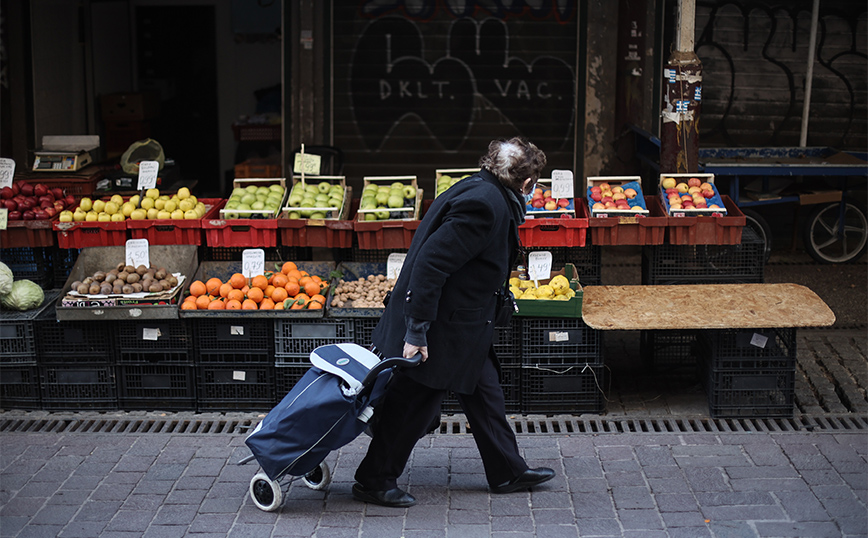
{"x": 148, "y": 172}
{"x": 138, "y": 253}
{"x": 562, "y": 184}
{"x": 307, "y": 164}
{"x": 394, "y": 263}
{"x": 539, "y": 265}
{"x": 252, "y": 262}
{"x": 7, "y": 172}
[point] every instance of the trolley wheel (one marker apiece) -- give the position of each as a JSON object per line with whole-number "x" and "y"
{"x": 759, "y": 225}
{"x": 319, "y": 478}
{"x": 827, "y": 241}
{"x": 265, "y": 492}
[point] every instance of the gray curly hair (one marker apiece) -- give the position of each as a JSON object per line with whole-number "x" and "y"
{"x": 513, "y": 161}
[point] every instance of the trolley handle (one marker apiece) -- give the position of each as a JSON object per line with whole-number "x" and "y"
{"x": 401, "y": 362}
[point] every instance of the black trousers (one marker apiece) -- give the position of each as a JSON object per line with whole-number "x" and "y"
{"x": 405, "y": 416}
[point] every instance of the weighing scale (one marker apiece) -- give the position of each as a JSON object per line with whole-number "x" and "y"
{"x": 65, "y": 153}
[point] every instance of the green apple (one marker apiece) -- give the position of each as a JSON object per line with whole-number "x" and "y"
{"x": 311, "y": 189}
{"x": 368, "y": 202}
{"x": 257, "y": 205}
{"x": 382, "y": 197}
{"x": 248, "y": 198}
{"x": 409, "y": 191}
{"x": 324, "y": 187}
{"x": 295, "y": 200}
{"x": 238, "y": 191}
{"x": 395, "y": 201}
{"x": 276, "y": 188}
{"x": 317, "y": 215}
{"x": 382, "y": 215}
{"x": 335, "y": 202}
{"x": 397, "y": 185}
{"x": 244, "y": 210}
{"x": 370, "y": 216}
{"x": 251, "y": 189}
{"x": 294, "y": 215}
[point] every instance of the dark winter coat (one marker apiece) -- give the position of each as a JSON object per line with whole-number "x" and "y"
{"x": 461, "y": 254}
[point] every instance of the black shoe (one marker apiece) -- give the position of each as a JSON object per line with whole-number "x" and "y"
{"x": 526, "y": 480}
{"x": 394, "y": 497}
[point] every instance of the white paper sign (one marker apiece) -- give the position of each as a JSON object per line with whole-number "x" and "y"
{"x": 562, "y": 184}
{"x": 394, "y": 263}
{"x": 252, "y": 262}
{"x": 138, "y": 253}
{"x": 310, "y": 165}
{"x": 151, "y": 334}
{"x": 7, "y": 172}
{"x": 239, "y": 375}
{"x": 4, "y": 218}
{"x": 148, "y": 172}
{"x": 539, "y": 265}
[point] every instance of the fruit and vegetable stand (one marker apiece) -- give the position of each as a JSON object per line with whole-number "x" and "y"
{"x": 171, "y": 354}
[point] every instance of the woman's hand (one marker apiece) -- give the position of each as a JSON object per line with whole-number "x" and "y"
{"x": 410, "y": 350}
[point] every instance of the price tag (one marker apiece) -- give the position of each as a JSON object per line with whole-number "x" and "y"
{"x": 7, "y": 172}
{"x": 394, "y": 263}
{"x": 138, "y": 253}
{"x": 4, "y": 218}
{"x": 148, "y": 172}
{"x": 151, "y": 334}
{"x": 239, "y": 375}
{"x": 759, "y": 340}
{"x": 539, "y": 265}
{"x": 307, "y": 164}
{"x": 562, "y": 184}
{"x": 252, "y": 262}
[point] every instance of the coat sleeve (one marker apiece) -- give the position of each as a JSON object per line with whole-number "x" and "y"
{"x": 462, "y": 235}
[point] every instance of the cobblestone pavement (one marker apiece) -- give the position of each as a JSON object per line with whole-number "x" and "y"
{"x": 109, "y": 485}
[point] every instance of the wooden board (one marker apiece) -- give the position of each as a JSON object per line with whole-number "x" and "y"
{"x": 706, "y": 306}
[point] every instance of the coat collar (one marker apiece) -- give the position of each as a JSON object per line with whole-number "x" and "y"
{"x": 513, "y": 200}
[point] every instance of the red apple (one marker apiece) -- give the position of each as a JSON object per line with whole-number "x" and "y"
{"x": 10, "y": 205}
{"x": 596, "y": 196}
{"x": 708, "y": 193}
{"x": 537, "y": 202}
{"x": 566, "y": 216}
{"x": 26, "y": 189}
{"x": 40, "y": 214}
{"x": 27, "y": 215}
{"x": 14, "y": 215}
{"x": 16, "y": 188}
{"x": 6, "y": 193}
{"x": 57, "y": 192}
{"x": 672, "y": 190}
{"x": 551, "y": 205}
{"x": 598, "y": 206}
{"x": 59, "y": 205}
{"x": 70, "y": 200}
{"x": 694, "y": 182}
{"x": 46, "y": 203}
{"x": 40, "y": 189}
{"x": 631, "y": 193}
{"x": 46, "y": 198}
{"x": 596, "y": 188}
{"x": 563, "y": 202}
{"x": 607, "y": 199}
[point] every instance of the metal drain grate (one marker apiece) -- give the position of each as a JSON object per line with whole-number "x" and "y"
{"x": 449, "y": 425}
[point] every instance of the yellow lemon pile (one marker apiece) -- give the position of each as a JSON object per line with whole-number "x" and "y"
{"x": 558, "y": 289}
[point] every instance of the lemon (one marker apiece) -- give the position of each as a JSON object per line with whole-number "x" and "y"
{"x": 529, "y": 293}
{"x": 560, "y": 284}
{"x": 545, "y": 292}
{"x": 515, "y": 290}
{"x": 560, "y": 298}
{"x": 524, "y": 284}
{"x": 514, "y": 281}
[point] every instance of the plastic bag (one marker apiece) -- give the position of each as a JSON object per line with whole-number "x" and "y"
{"x": 142, "y": 150}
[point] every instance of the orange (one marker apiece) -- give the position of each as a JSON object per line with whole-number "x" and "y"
{"x": 216, "y": 304}
{"x": 304, "y": 279}
{"x": 213, "y": 286}
{"x": 292, "y": 288}
{"x": 255, "y": 294}
{"x": 202, "y": 302}
{"x": 294, "y": 273}
{"x": 238, "y": 281}
{"x": 302, "y": 296}
{"x": 287, "y": 267}
{"x": 233, "y": 304}
{"x": 266, "y": 304}
{"x": 279, "y": 280}
{"x": 248, "y": 305}
{"x": 236, "y": 295}
{"x": 278, "y": 295}
{"x": 315, "y": 278}
{"x": 190, "y": 299}
{"x": 225, "y": 289}
{"x": 311, "y": 287}
{"x": 197, "y": 288}
{"x": 297, "y": 304}
{"x": 317, "y": 298}
{"x": 259, "y": 281}
{"x": 278, "y": 305}
{"x": 188, "y": 305}
{"x": 269, "y": 290}
{"x": 314, "y": 305}
{"x": 303, "y": 272}
{"x": 244, "y": 289}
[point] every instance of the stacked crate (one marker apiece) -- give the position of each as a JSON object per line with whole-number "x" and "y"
{"x": 155, "y": 365}
{"x": 234, "y": 363}
{"x": 749, "y": 372}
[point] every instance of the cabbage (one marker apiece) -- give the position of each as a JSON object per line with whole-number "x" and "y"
{"x": 25, "y": 295}
{"x": 5, "y": 279}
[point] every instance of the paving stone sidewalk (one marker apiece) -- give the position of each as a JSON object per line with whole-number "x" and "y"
{"x": 114, "y": 485}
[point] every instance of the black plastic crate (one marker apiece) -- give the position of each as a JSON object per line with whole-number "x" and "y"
{"x": 756, "y": 393}
{"x": 749, "y": 348}
{"x": 560, "y": 341}
{"x": 78, "y": 386}
{"x": 357, "y": 254}
{"x": 711, "y": 264}
{"x": 30, "y": 263}
{"x": 214, "y": 358}
{"x": 588, "y": 261}
{"x": 295, "y": 339}
{"x": 285, "y": 377}
{"x": 19, "y": 386}
{"x": 569, "y": 390}
{"x": 233, "y": 334}
{"x": 157, "y": 357}
{"x": 670, "y": 351}
{"x": 156, "y": 386}
{"x": 18, "y": 331}
{"x": 235, "y": 387}
{"x": 153, "y": 336}
{"x": 62, "y": 262}
{"x": 363, "y": 329}
{"x": 507, "y": 342}
{"x": 75, "y": 341}
{"x": 272, "y": 254}
{"x": 510, "y": 382}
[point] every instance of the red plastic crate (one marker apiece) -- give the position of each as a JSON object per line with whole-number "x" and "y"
{"x": 650, "y": 230}
{"x": 557, "y": 232}
{"x": 90, "y": 234}
{"x": 385, "y": 234}
{"x": 27, "y": 233}
{"x": 724, "y": 230}
{"x": 174, "y": 231}
{"x": 316, "y": 233}
{"x": 240, "y": 232}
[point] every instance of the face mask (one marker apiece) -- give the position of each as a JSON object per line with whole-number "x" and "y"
{"x": 527, "y": 198}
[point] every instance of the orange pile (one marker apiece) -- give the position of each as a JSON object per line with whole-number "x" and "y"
{"x": 288, "y": 289}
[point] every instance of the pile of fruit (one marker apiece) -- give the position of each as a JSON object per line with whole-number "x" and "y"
{"x": 542, "y": 200}
{"x": 125, "y": 279}
{"x": 558, "y": 289}
{"x": 445, "y": 181}
{"x": 320, "y": 201}
{"x": 690, "y": 194}
{"x": 286, "y": 289}
{"x": 605, "y": 197}
{"x": 34, "y": 202}
{"x": 254, "y": 201}
{"x": 379, "y": 199}
{"x": 362, "y": 293}
{"x": 152, "y": 206}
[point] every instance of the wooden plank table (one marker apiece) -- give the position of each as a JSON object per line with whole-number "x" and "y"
{"x": 703, "y": 306}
